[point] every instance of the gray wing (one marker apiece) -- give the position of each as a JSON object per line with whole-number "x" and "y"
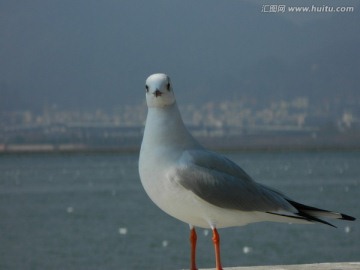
{"x": 221, "y": 182}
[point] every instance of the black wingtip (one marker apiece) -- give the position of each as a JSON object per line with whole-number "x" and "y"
{"x": 304, "y": 216}
{"x": 309, "y": 213}
{"x": 347, "y": 217}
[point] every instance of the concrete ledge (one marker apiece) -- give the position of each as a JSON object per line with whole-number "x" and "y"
{"x": 316, "y": 266}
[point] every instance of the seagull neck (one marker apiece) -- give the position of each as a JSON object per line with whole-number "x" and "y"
{"x": 165, "y": 126}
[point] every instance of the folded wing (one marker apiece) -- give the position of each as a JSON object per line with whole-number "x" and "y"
{"x": 221, "y": 182}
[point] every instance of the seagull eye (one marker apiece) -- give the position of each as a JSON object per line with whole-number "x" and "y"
{"x": 168, "y": 87}
{"x": 147, "y": 88}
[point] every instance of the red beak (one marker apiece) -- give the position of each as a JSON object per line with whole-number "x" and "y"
{"x": 157, "y": 93}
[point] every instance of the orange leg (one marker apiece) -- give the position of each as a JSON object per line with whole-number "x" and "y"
{"x": 193, "y": 239}
{"x": 216, "y": 241}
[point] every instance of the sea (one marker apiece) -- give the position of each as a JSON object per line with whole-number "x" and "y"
{"x": 89, "y": 211}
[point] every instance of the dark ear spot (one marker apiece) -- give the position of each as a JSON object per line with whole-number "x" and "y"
{"x": 147, "y": 88}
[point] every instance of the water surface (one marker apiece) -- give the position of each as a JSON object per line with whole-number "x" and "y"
{"x": 89, "y": 211}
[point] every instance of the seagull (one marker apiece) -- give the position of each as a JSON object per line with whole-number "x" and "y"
{"x": 203, "y": 188}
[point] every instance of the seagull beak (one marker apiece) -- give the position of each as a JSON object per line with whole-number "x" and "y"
{"x": 157, "y": 93}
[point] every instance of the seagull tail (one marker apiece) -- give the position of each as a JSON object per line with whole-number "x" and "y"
{"x": 316, "y": 214}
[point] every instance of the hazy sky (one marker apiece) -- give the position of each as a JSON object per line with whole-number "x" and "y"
{"x": 89, "y": 53}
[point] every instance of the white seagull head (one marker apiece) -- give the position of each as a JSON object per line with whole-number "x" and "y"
{"x": 159, "y": 92}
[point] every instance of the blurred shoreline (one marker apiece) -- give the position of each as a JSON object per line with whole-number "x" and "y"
{"x": 334, "y": 142}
